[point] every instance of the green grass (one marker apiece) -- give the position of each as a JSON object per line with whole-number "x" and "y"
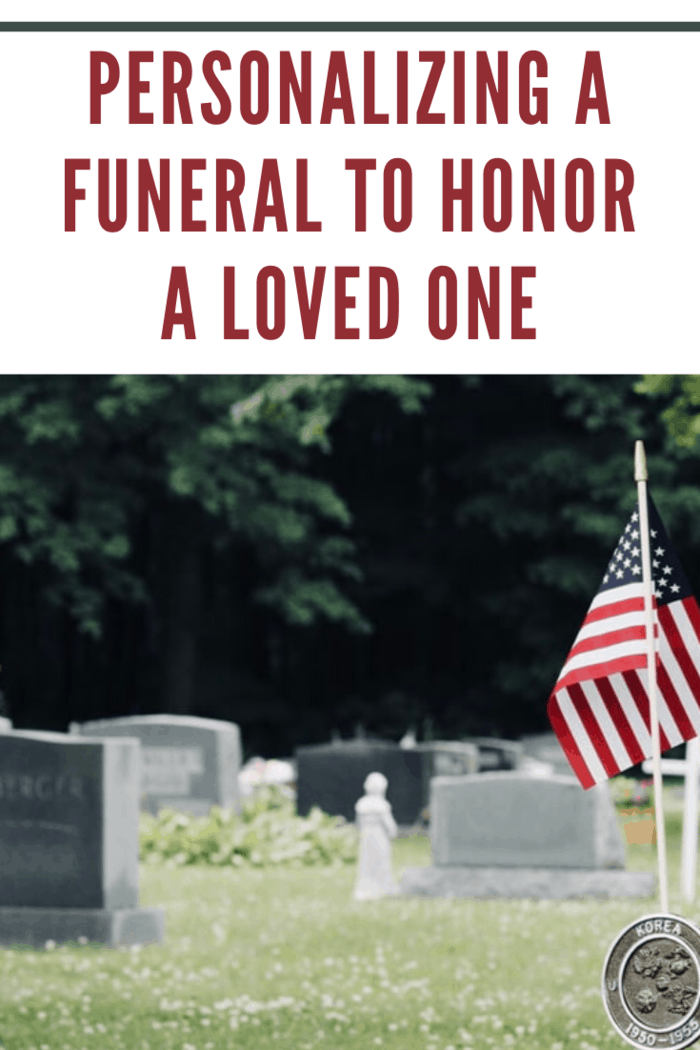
{"x": 256, "y": 959}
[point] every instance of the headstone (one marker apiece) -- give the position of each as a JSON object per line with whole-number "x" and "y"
{"x": 69, "y": 841}
{"x": 510, "y": 820}
{"x": 331, "y": 776}
{"x": 377, "y": 828}
{"x": 495, "y": 754}
{"x": 545, "y": 748}
{"x": 187, "y": 763}
{"x": 512, "y": 834}
{"x": 689, "y": 769}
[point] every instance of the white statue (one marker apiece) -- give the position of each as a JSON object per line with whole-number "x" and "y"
{"x": 377, "y": 828}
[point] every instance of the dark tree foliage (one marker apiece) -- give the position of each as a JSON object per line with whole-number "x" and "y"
{"x": 337, "y": 550}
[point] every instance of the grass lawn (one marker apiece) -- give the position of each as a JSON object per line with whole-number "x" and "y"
{"x": 283, "y": 958}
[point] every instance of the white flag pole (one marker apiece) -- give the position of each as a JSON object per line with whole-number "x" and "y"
{"x": 641, "y": 476}
{"x": 691, "y": 812}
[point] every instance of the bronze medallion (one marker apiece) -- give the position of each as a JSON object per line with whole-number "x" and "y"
{"x": 651, "y": 982}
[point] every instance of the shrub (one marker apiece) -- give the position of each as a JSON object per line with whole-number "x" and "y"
{"x": 266, "y": 832}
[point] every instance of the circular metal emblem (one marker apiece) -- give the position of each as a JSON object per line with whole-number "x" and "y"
{"x": 651, "y": 982}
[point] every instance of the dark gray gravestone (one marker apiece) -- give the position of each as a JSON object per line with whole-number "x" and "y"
{"x": 187, "y": 763}
{"x": 69, "y": 841}
{"x": 331, "y": 776}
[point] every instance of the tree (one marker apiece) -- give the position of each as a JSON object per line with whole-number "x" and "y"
{"x": 226, "y": 543}
{"x": 116, "y": 489}
{"x": 485, "y": 524}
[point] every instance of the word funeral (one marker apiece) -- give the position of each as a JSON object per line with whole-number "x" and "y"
{"x": 341, "y": 188}
{"x": 215, "y": 198}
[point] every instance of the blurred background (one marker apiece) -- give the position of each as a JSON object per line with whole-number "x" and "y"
{"x": 320, "y": 556}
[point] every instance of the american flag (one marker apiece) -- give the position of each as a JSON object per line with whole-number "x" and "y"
{"x": 599, "y": 707}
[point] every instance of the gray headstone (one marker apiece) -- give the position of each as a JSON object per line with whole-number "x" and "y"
{"x": 188, "y": 763}
{"x": 513, "y": 820}
{"x": 495, "y": 754}
{"x": 69, "y": 837}
{"x": 544, "y": 747}
{"x": 331, "y": 776}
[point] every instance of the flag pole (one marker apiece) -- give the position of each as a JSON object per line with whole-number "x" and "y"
{"x": 641, "y": 476}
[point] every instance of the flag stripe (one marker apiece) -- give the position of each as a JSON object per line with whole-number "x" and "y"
{"x": 614, "y": 608}
{"x": 594, "y": 628}
{"x": 610, "y": 638}
{"x": 667, "y": 722}
{"x": 628, "y": 705}
{"x": 590, "y": 723}
{"x": 683, "y": 640}
{"x": 669, "y": 658}
{"x": 566, "y": 739}
{"x": 612, "y": 654}
{"x": 669, "y": 694}
{"x": 690, "y": 606}
{"x": 583, "y": 742}
{"x": 638, "y": 688}
{"x": 603, "y": 670}
{"x": 617, "y": 595}
{"x": 612, "y": 702}
{"x": 608, "y": 729}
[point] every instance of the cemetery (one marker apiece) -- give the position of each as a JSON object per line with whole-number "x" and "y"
{"x": 275, "y": 765}
{"x": 259, "y": 957}
{"x": 257, "y": 923}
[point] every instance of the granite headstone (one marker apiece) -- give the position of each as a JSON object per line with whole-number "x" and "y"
{"x": 515, "y": 835}
{"x": 514, "y": 821}
{"x": 187, "y": 763}
{"x": 495, "y": 754}
{"x": 69, "y": 841}
{"x": 331, "y": 776}
{"x": 545, "y": 748}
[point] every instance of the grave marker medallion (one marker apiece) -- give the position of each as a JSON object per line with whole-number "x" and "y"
{"x": 651, "y": 982}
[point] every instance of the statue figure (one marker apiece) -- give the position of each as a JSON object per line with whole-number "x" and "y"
{"x": 377, "y": 828}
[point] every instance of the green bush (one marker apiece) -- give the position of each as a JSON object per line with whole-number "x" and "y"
{"x": 267, "y": 832}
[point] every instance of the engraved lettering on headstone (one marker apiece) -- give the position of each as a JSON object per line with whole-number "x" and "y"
{"x": 40, "y": 787}
{"x": 168, "y": 770}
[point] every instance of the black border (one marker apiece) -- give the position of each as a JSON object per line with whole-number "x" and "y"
{"x": 349, "y": 27}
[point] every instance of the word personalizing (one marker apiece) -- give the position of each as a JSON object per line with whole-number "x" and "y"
{"x": 293, "y": 88}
